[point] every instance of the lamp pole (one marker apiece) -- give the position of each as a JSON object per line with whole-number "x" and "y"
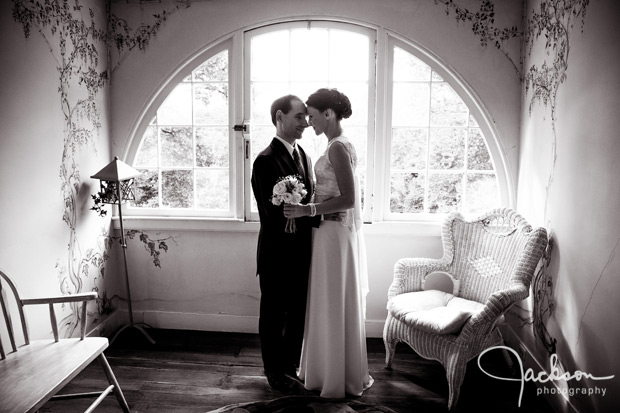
{"x": 119, "y": 173}
{"x": 124, "y": 245}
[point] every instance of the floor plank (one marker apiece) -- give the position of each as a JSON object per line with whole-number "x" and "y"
{"x": 197, "y": 371}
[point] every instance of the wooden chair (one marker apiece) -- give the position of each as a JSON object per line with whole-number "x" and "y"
{"x": 487, "y": 265}
{"x": 32, "y": 372}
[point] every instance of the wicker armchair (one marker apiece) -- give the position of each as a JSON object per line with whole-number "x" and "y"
{"x": 491, "y": 260}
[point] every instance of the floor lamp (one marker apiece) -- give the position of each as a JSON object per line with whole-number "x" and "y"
{"x": 116, "y": 186}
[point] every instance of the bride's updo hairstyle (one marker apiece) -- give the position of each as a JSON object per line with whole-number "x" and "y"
{"x": 324, "y": 99}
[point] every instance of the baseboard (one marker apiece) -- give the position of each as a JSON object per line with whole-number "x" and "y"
{"x": 218, "y": 322}
{"x": 374, "y": 328}
{"x": 201, "y": 322}
{"x": 558, "y": 401}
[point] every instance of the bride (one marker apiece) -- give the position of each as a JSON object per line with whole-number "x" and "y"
{"x": 334, "y": 359}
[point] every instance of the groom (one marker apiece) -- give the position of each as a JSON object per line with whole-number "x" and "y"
{"x": 283, "y": 259}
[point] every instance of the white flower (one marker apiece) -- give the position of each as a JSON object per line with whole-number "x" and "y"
{"x": 279, "y": 188}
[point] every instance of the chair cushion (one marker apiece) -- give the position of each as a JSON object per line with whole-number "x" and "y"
{"x": 433, "y": 311}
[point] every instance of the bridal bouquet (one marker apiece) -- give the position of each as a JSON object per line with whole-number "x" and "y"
{"x": 288, "y": 190}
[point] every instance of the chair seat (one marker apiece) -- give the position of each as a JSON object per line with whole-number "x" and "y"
{"x": 433, "y": 311}
{"x": 44, "y": 366}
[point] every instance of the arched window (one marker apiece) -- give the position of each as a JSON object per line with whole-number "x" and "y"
{"x": 184, "y": 153}
{"x": 439, "y": 161}
{"x": 421, "y": 147}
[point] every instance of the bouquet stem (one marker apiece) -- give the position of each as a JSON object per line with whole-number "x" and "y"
{"x": 290, "y": 226}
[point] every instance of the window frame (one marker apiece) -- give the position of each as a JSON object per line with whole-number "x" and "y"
{"x": 378, "y": 150}
{"x": 475, "y": 109}
{"x": 371, "y": 33}
{"x": 156, "y": 100}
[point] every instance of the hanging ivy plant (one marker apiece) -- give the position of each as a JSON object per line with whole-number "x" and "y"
{"x": 483, "y": 25}
{"x": 554, "y": 20}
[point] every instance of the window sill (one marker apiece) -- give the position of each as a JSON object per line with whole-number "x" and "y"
{"x": 418, "y": 228}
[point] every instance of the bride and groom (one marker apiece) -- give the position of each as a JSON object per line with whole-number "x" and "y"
{"x": 313, "y": 281}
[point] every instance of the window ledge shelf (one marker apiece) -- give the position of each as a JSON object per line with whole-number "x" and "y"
{"x": 417, "y": 228}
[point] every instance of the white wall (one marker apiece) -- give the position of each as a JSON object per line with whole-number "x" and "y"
{"x": 49, "y": 234}
{"x": 207, "y": 277}
{"x": 582, "y": 203}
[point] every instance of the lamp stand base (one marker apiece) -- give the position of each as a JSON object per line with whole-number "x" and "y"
{"x": 137, "y": 326}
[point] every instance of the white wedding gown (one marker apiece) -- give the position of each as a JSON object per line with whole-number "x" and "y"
{"x": 334, "y": 359}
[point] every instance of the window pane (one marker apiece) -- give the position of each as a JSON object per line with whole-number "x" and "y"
{"x": 211, "y": 104}
{"x": 214, "y": 69}
{"x": 447, "y": 148}
{"x": 211, "y": 147}
{"x": 407, "y": 193}
{"x": 410, "y": 104}
{"x": 409, "y": 148}
{"x": 348, "y": 56}
{"x": 146, "y": 189}
{"x": 306, "y": 66}
{"x": 409, "y": 68}
{"x": 478, "y": 156}
{"x": 147, "y": 153}
{"x": 212, "y": 189}
{"x": 444, "y": 192}
{"x": 177, "y": 188}
{"x": 177, "y": 108}
{"x": 270, "y": 56}
{"x": 447, "y": 108}
{"x": 481, "y": 193}
{"x": 176, "y": 147}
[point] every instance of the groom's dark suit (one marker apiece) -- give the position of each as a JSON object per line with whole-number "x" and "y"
{"x": 283, "y": 260}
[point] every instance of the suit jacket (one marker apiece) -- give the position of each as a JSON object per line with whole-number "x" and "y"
{"x": 278, "y": 250}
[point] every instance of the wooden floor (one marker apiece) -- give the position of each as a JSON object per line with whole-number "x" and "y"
{"x": 191, "y": 371}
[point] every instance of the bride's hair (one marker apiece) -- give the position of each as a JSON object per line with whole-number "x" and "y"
{"x": 324, "y": 99}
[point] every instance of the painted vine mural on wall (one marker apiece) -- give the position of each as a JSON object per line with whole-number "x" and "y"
{"x": 554, "y": 20}
{"x": 74, "y": 39}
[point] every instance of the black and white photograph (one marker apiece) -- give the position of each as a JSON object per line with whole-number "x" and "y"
{"x": 313, "y": 206}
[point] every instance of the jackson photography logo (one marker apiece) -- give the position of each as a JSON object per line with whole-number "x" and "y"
{"x": 544, "y": 377}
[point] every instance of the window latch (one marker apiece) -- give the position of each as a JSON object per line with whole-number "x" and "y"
{"x": 240, "y": 128}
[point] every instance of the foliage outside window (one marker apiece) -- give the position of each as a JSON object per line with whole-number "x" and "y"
{"x": 184, "y": 153}
{"x": 439, "y": 161}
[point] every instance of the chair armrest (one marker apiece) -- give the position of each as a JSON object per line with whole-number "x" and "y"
{"x": 496, "y": 305}
{"x": 61, "y": 299}
{"x": 410, "y": 272}
{"x": 50, "y": 301}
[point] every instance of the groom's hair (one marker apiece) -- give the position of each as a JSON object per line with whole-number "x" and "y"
{"x": 283, "y": 104}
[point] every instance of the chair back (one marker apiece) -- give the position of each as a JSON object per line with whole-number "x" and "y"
{"x": 13, "y": 328}
{"x": 496, "y": 251}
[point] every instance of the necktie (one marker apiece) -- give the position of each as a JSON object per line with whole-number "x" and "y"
{"x": 298, "y": 163}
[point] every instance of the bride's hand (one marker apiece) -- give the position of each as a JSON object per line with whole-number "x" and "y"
{"x": 294, "y": 211}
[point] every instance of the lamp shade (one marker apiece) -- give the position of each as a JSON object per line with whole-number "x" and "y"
{"x": 116, "y": 171}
